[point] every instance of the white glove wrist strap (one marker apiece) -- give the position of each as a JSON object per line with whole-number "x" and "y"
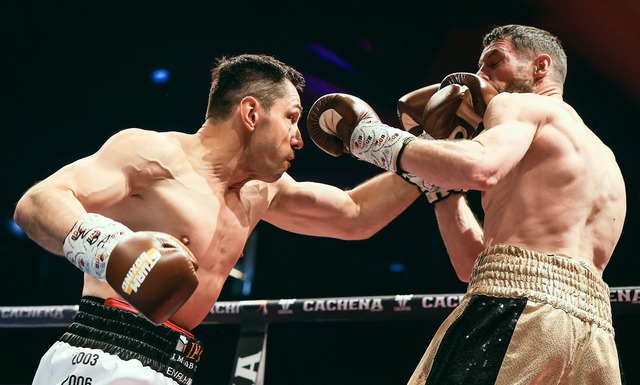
{"x": 377, "y": 143}
{"x": 90, "y": 242}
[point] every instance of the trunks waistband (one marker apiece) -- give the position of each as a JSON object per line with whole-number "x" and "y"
{"x": 510, "y": 271}
{"x": 112, "y": 326}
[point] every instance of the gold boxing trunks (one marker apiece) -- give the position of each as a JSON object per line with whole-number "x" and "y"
{"x": 527, "y": 318}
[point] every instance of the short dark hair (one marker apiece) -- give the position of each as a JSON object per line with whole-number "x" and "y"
{"x": 533, "y": 41}
{"x": 257, "y": 75}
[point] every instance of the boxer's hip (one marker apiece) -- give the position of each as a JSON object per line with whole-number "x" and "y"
{"x": 113, "y": 328}
{"x": 512, "y": 272}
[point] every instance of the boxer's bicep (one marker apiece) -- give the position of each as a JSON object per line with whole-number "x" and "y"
{"x": 51, "y": 206}
{"x": 509, "y": 132}
{"x": 126, "y": 163}
{"x": 325, "y": 210}
{"x": 310, "y": 208}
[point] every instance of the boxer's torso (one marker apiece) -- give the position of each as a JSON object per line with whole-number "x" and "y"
{"x": 197, "y": 208}
{"x": 566, "y": 196}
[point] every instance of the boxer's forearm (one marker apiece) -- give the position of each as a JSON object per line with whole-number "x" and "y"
{"x": 47, "y": 214}
{"x": 461, "y": 233}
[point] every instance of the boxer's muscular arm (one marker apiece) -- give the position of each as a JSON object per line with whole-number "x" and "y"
{"x": 324, "y": 210}
{"x": 49, "y": 209}
{"x": 509, "y": 131}
{"x": 476, "y": 164}
{"x": 461, "y": 233}
{"x": 153, "y": 271}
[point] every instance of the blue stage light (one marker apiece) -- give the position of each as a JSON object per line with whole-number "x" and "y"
{"x": 397, "y": 267}
{"x": 14, "y": 229}
{"x": 160, "y": 76}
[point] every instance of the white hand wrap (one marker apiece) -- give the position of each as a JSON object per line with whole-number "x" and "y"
{"x": 90, "y": 242}
{"x": 379, "y": 144}
{"x": 431, "y": 191}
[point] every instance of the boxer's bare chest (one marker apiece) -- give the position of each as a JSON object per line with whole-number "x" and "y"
{"x": 213, "y": 224}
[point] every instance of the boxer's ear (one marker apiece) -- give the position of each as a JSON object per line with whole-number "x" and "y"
{"x": 248, "y": 111}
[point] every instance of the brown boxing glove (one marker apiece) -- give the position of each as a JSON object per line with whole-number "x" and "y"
{"x": 153, "y": 271}
{"x": 341, "y": 123}
{"x": 411, "y": 107}
{"x": 457, "y": 109}
{"x": 333, "y": 117}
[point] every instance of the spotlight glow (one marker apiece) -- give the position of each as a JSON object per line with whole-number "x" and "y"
{"x": 14, "y": 229}
{"x": 397, "y": 267}
{"x": 160, "y": 75}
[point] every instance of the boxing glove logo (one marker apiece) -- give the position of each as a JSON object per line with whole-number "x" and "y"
{"x": 140, "y": 270}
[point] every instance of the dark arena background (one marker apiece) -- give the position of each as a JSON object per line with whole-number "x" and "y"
{"x": 74, "y": 73}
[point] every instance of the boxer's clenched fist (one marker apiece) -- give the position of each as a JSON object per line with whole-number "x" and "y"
{"x": 153, "y": 271}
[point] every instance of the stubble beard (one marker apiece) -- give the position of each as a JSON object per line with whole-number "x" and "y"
{"x": 520, "y": 85}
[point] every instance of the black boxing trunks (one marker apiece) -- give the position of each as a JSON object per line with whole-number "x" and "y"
{"x": 108, "y": 342}
{"x": 527, "y": 318}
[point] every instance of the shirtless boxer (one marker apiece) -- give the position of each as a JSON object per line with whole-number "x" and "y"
{"x": 536, "y": 310}
{"x": 158, "y": 220}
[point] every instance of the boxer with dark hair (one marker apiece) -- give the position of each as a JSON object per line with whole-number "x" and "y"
{"x": 158, "y": 220}
{"x": 536, "y": 310}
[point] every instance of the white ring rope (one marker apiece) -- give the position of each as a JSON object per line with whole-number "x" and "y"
{"x": 624, "y": 300}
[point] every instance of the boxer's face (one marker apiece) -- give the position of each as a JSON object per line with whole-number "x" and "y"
{"x": 505, "y": 68}
{"x": 277, "y": 136}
